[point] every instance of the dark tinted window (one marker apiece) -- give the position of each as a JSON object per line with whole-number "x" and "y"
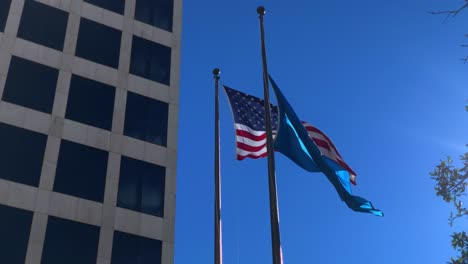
{"x": 31, "y": 85}
{"x": 127, "y": 248}
{"x": 90, "y": 102}
{"x": 70, "y": 242}
{"x": 116, "y": 6}
{"x": 15, "y": 226}
{"x": 43, "y": 24}
{"x": 155, "y": 12}
{"x": 146, "y": 119}
{"x": 141, "y": 186}
{"x": 98, "y": 43}
{"x": 21, "y": 154}
{"x": 81, "y": 171}
{"x": 151, "y": 60}
{"x": 4, "y": 9}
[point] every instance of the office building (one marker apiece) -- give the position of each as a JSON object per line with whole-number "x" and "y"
{"x": 88, "y": 130}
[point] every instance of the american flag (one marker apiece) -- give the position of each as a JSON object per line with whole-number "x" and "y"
{"x": 249, "y": 123}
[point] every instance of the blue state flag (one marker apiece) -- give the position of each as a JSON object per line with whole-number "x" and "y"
{"x": 293, "y": 141}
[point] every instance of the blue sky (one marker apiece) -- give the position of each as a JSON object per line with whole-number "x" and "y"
{"x": 383, "y": 79}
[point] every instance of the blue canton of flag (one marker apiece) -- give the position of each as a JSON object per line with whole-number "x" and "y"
{"x": 249, "y": 123}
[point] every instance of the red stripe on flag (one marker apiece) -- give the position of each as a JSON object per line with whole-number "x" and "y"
{"x": 316, "y": 130}
{"x": 336, "y": 155}
{"x": 240, "y": 157}
{"x": 249, "y": 148}
{"x": 311, "y": 128}
{"x": 325, "y": 143}
{"x": 248, "y": 135}
{"x": 321, "y": 143}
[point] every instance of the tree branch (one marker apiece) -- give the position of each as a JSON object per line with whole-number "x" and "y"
{"x": 459, "y": 185}
{"x": 452, "y": 13}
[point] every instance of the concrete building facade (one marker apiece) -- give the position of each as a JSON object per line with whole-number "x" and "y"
{"x": 88, "y": 130}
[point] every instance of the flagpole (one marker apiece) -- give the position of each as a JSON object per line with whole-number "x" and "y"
{"x": 274, "y": 217}
{"x": 217, "y": 205}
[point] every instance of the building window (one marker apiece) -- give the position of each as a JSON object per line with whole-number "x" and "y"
{"x": 4, "y": 10}
{"x": 70, "y": 242}
{"x": 116, "y": 6}
{"x": 146, "y": 119}
{"x": 151, "y": 60}
{"x": 31, "y": 85}
{"x": 21, "y": 154}
{"x": 127, "y": 248}
{"x": 98, "y": 43}
{"x": 81, "y": 171}
{"x": 157, "y": 13}
{"x": 43, "y": 24}
{"x": 90, "y": 102}
{"x": 15, "y": 226}
{"x": 141, "y": 187}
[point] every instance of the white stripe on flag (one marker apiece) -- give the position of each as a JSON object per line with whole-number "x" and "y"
{"x": 248, "y": 129}
{"x": 244, "y": 153}
{"x": 250, "y": 142}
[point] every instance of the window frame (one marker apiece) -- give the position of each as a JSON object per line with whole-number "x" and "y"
{"x": 5, "y": 6}
{"x": 68, "y": 168}
{"x": 127, "y": 247}
{"x": 78, "y": 104}
{"x": 19, "y": 239}
{"x": 71, "y": 243}
{"x": 84, "y": 45}
{"x": 147, "y": 58}
{"x": 116, "y": 9}
{"x": 152, "y": 7}
{"x": 42, "y": 31}
{"x": 138, "y": 120}
{"x": 18, "y": 89}
{"x": 31, "y": 149}
{"x": 134, "y": 172}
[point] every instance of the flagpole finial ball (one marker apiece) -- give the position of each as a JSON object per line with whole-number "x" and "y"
{"x": 261, "y": 10}
{"x": 216, "y": 71}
